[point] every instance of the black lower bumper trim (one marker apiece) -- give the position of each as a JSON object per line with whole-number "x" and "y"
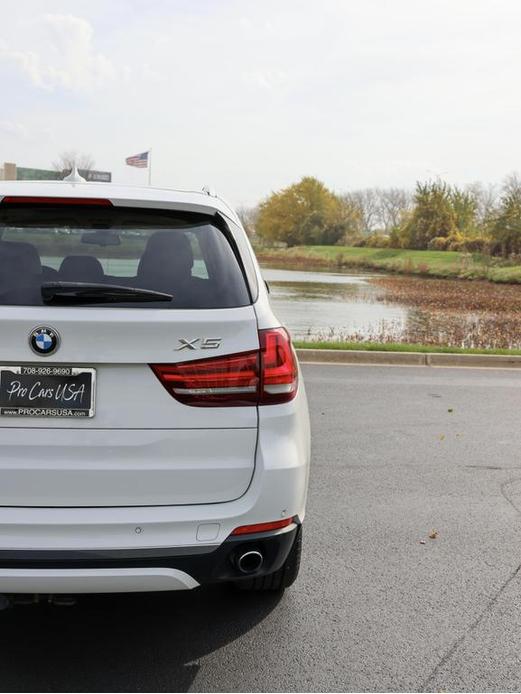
{"x": 206, "y": 564}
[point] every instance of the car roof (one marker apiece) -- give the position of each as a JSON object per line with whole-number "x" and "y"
{"x": 123, "y": 196}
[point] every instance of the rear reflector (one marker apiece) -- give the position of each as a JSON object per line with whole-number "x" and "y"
{"x": 267, "y": 376}
{"x": 262, "y": 527}
{"x": 24, "y": 200}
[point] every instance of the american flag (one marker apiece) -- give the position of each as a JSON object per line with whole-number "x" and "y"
{"x": 139, "y": 160}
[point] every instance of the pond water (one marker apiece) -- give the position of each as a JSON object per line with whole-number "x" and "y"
{"x": 324, "y": 303}
{"x": 362, "y": 306}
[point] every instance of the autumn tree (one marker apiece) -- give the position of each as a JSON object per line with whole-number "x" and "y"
{"x": 433, "y": 215}
{"x": 465, "y": 208}
{"x": 506, "y": 228}
{"x": 305, "y": 213}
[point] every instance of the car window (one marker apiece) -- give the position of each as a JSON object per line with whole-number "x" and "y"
{"x": 184, "y": 255}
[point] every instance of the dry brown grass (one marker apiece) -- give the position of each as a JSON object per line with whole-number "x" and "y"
{"x": 478, "y": 296}
{"x": 452, "y": 313}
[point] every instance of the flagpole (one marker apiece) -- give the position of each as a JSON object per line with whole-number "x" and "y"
{"x": 150, "y": 166}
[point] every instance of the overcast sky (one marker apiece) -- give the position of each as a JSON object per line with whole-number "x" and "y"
{"x": 250, "y": 95}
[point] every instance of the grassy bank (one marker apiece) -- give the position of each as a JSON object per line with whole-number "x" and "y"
{"x": 445, "y": 264}
{"x": 399, "y": 347}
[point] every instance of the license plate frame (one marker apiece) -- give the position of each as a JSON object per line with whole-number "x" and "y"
{"x": 28, "y": 391}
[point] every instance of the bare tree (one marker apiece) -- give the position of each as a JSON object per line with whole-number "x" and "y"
{"x": 367, "y": 203}
{"x": 351, "y": 220}
{"x": 394, "y": 203}
{"x": 379, "y": 209}
{"x": 511, "y": 184}
{"x": 248, "y": 217}
{"x": 69, "y": 159}
{"x": 486, "y": 198}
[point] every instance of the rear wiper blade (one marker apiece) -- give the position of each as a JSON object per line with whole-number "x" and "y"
{"x": 65, "y": 293}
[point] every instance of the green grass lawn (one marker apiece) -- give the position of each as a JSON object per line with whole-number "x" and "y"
{"x": 449, "y": 264}
{"x": 398, "y": 347}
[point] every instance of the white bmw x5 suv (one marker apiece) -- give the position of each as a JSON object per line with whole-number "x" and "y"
{"x": 154, "y": 429}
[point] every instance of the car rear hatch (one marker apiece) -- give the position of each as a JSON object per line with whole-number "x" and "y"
{"x": 84, "y": 419}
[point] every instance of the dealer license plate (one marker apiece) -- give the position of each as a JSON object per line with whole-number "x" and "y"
{"x": 47, "y": 391}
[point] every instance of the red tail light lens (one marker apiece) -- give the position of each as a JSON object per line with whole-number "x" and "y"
{"x": 279, "y": 378}
{"x": 265, "y": 377}
{"x": 224, "y": 381}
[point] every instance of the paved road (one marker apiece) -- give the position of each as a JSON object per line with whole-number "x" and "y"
{"x": 398, "y": 451}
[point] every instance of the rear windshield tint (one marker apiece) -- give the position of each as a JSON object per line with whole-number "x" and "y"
{"x": 184, "y": 255}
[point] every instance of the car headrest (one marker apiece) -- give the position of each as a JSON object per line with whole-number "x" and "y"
{"x": 81, "y": 268}
{"x": 23, "y": 257}
{"x": 168, "y": 257}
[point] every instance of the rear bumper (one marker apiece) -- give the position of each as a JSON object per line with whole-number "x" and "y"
{"x": 277, "y": 490}
{"x": 76, "y": 581}
{"x": 106, "y": 571}
{"x": 143, "y": 548}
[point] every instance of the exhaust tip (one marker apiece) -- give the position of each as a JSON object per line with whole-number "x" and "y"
{"x": 250, "y": 562}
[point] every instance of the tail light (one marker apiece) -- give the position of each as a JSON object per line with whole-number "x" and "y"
{"x": 230, "y": 380}
{"x": 279, "y": 373}
{"x": 267, "y": 376}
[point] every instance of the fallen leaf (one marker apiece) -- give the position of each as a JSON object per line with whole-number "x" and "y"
{"x": 433, "y": 534}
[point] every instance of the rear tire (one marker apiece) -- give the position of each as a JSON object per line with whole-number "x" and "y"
{"x": 281, "y": 579}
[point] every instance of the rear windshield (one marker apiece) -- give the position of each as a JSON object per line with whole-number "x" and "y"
{"x": 46, "y": 249}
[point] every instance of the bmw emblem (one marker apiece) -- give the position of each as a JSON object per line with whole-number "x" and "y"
{"x": 44, "y": 341}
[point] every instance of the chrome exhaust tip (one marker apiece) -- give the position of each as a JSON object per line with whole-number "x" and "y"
{"x": 250, "y": 562}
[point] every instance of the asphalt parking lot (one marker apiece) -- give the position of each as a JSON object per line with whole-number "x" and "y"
{"x": 397, "y": 453}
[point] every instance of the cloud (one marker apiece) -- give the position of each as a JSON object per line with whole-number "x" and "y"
{"x": 63, "y": 57}
{"x": 251, "y": 95}
{"x": 24, "y": 134}
{"x": 266, "y": 78}
{"x": 15, "y": 129}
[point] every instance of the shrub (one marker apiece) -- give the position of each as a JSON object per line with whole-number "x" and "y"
{"x": 438, "y": 243}
{"x": 352, "y": 239}
{"x": 377, "y": 241}
{"x": 456, "y": 242}
{"x": 477, "y": 244}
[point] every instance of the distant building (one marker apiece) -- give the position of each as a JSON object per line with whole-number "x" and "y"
{"x": 8, "y": 172}
{"x": 12, "y": 172}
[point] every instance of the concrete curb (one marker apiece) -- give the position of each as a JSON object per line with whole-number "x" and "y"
{"x": 341, "y": 356}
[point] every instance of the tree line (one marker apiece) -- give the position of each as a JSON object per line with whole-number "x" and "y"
{"x": 435, "y": 215}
